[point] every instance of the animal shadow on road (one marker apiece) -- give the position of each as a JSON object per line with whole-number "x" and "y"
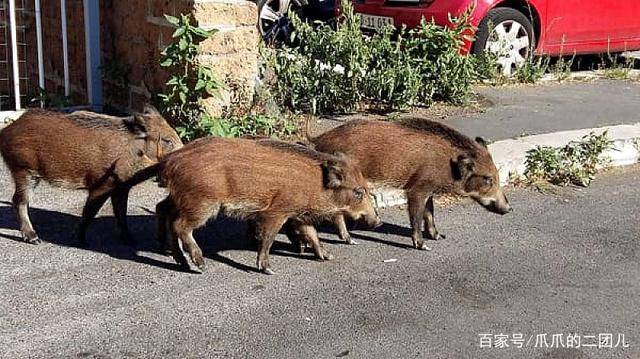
{"x": 385, "y": 229}
{"x": 217, "y": 236}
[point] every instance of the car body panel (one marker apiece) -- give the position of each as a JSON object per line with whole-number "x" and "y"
{"x": 564, "y": 26}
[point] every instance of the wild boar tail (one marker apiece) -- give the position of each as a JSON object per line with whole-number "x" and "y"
{"x": 143, "y": 175}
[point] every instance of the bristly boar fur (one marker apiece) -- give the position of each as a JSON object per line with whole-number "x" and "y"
{"x": 264, "y": 181}
{"x": 83, "y": 150}
{"x": 422, "y": 157}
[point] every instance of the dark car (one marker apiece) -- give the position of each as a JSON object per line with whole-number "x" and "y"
{"x": 274, "y": 23}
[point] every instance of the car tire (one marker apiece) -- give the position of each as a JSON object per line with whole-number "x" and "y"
{"x": 273, "y": 22}
{"x": 509, "y": 35}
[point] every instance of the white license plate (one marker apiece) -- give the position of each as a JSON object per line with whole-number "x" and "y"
{"x": 375, "y": 22}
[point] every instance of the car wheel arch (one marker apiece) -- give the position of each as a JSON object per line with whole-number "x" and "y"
{"x": 525, "y": 7}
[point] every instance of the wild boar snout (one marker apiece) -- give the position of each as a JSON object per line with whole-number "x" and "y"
{"x": 346, "y": 178}
{"x": 499, "y": 205}
{"x": 481, "y": 181}
{"x": 364, "y": 209}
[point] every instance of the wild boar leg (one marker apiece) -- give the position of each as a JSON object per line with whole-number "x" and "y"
{"x": 251, "y": 232}
{"x": 294, "y": 237}
{"x": 21, "y": 206}
{"x": 266, "y": 230}
{"x": 309, "y": 235}
{"x": 341, "y": 226}
{"x": 176, "y": 249}
{"x": 429, "y": 224}
{"x": 416, "y": 202}
{"x": 95, "y": 201}
{"x": 184, "y": 230}
{"x": 119, "y": 201}
{"x": 163, "y": 225}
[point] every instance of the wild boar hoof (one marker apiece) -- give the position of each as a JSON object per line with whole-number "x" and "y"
{"x": 351, "y": 241}
{"x": 268, "y": 271}
{"x": 189, "y": 267}
{"x": 328, "y": 256}
{"x": 33, "y": 240}
{"x": 423, "y": 247}
{"x": 199, "y": 264}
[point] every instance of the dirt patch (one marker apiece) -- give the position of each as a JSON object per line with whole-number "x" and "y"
{"x": 439, "y": 111}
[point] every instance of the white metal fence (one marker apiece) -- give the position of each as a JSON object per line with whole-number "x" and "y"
{"x": 15, "y": 51}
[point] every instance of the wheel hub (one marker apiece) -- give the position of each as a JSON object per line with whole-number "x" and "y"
{"x": 509, "y": 41}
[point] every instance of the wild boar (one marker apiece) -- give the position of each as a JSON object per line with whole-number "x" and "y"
{"x": 266, "y": 182}
{"x": 424, "y": 158}
{"x": 83, "y": 150}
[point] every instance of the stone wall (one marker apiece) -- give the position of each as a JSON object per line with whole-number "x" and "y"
{"x": 133, "y": 34}
{"x": 137, "y": 32}
{"x": 233, "y": 51}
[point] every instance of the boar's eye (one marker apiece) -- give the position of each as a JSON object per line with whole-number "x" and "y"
{"x": 488, "y": 181}
{"x": 359, "y": 193}
{"x": 167, "y": 143}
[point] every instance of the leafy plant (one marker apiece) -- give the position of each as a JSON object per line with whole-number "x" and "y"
{"x": 261, "y": 125}
{"x": 616, "y": 69}
{"x": 577, "y": 163}
{"x": 190, "y": 81}
{"x": 340, "y": 69}
{"x": 50, "y": 100}
{"x": 532, "y": 70}
{"x": 562, "y": 68}
{"x": 487, "y": 68}
{"x": 116, "y": 76}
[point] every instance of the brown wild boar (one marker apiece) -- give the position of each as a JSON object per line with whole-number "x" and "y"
{"x": 83, "y": 150}
{"x": 424, "y": 158}
{"x": 266, "y": 182}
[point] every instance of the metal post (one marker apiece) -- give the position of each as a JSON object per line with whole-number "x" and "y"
{"x": 65, "y": 49}
{"x": 14, "y": 53}
{"x": 92, "y": 41}
{"x": 39, "y": 41}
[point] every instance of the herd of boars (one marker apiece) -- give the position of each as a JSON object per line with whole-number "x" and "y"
{"x": 273, "y": 185}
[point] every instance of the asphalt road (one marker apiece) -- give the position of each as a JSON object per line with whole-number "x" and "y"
{"x": 550, "y": 107}
{"x": 511, "y": 111}
{"x": 561, "y": 263}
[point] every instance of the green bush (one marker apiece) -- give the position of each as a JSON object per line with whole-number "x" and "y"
{"x": 577, "y": 163}
{"x": 340, "y": 69}
{"x": 191, "y": 82}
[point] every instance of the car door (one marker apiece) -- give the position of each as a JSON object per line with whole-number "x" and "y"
{"x": 591, "y": 25}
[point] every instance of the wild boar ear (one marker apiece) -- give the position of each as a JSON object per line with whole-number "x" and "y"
{"x": 148, "y": 109}
{"x": 137, "y": 126}
{"x": 481, "y": 141}
{"x": 464, "y": 167}
{"x": 333, "y": 174}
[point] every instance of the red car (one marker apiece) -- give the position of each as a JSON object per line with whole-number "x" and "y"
{"x": 511, "y": 28}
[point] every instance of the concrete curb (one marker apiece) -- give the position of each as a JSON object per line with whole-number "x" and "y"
{"x": 589, "y": 75}
{"x": 510, "y": 155}
{"x": 8, "y": 116}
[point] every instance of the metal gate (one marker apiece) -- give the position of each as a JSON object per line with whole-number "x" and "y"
{"x": 16, "y": 51}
